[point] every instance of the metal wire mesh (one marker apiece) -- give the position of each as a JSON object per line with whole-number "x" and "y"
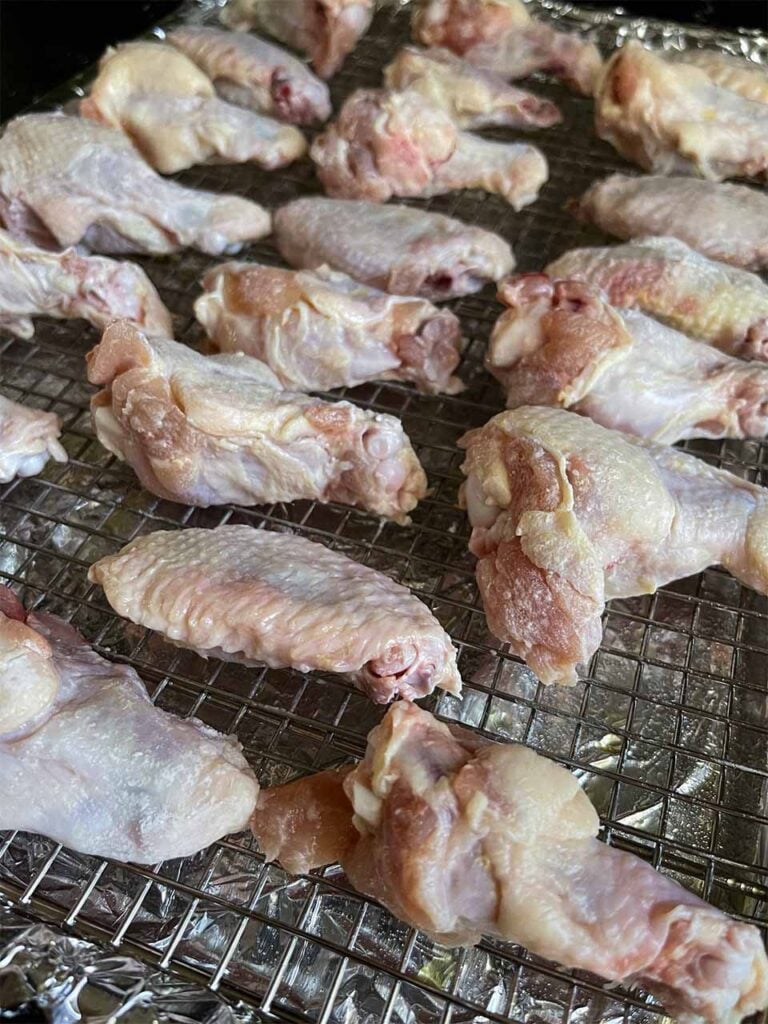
{"x": 668, "y": 732}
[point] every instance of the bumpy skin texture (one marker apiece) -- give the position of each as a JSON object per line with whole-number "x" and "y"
{"x": 395, "y": 248}
{"x": 34, "y": 282}
{"x": 318, "y": 330}
{"x": 726, "y": 222}
{"x": 220, "y": 429}
{"x": 567, "y": 515}
{"x": 28, "y": 438}
{"x": 326, "y": 30}
{"x": 473, "y": 97}
{"x": 386, "y": 143}
{"x": 501, "y": 36}
{"x": 462, "y": 837}
{"x": 672, "y": 119}
{"x": 254, "y": 73}
{"x": 87, "y": 759}
{"x": 65, "y": 180}
{"x": 169, "y": 109}
{"x": 560, "y": 343}
{"x": 738, "y": 74}
{"x": 722, "y": 305}
{"x": 243, "y": 594}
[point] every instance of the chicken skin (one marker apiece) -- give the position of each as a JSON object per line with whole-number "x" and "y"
{"x": 726, "y": 222}
{"x": 724, "y": 306}
{"x": 673, "y": 119}
{"x": 320, "y": 329}
{"x": 746, "y": 77}
{"x": 567, "y": 515}
{"x": 28, "y": 438}
{"x": 501, "y": 36}
{"x": 252, "y": 595}
{"x": 560, "y": 343}
{"x": 220, "y": 429}
{"x": 69, "y": 180}
{"x": 461, "y": 837}
{"x": 169, "y": 109}
{"x": 326, "y": 30}
{"x": 398, "y": 249}
{"x": 34, "y": 282}
{"x": 473, "y": 97}
{"x": 255, "y": 74}
{"x": 87, "y": 759}
{"x": 386, "y": 144}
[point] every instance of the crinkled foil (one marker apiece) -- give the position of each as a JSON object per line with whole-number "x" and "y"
{"x": 668, "y": 733}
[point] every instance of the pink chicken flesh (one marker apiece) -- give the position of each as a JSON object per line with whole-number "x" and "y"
{"x": 28, "y": 438}
{"x": 66, "y": 180}
{"x": 462, "y": 837}
{"x": 251, "y": 595}
{"x": 561, "y": 343}
{"x": 34, "y": 282}
{"x": 320, "y": 329}
{"x": 386, "y": 143}
{"x": 220, "y": 429}
{"x": 501, "y": 36}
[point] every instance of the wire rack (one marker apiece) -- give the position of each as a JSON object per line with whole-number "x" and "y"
{"x": 668, "y": 731}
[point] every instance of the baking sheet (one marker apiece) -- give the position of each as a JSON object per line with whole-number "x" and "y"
{"x": 668, "y": 733}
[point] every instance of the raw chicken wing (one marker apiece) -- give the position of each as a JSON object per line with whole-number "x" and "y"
{"x": 461, "y": 837}
{"x": 243, "y": 594}
{"x": 169, "y": 109}
{"x": 28, "y": 438}
{"x": 254, "y": 73}
{"x": 739, "y": 74}
{"x": 560, "y": 343}
{"x": 473, "y": 97}
{"x": 88, "y": 760}
{"x": 220, "y": 429}
{"x": 34, "y": 282}
{"x": 396, "y": 248}
{"x": 567, "y": 515}
{"x": 725, "y": 222}
{"x": 722, "y": 305}
{"x": 386, "y": 144}
{"x": 326, "y": 30}
{"x": 672, "y": 119}
{"x": 65, "y": 180}
{"x": 501, "y": 36}
{"x": 319, "y": 329}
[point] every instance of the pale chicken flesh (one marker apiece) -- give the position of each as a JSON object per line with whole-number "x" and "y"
{"x": 220, "y": 429}
{"x": 251, "y": 595}
{"x": 723, "y": 221}
{"x": 319, "y": 329}
{"x": 500, "y": 35}
{"x": 169, "y": 109}
{"x": 66, "y": 180}
{"x": 88, "y": 760}
{"x": 326, "y": 30}
{"x": 672, "y": 119}
{"x": 461, "y": 837}
{"x": 739, "y": 74}
{"x": 386, "y": 143}
{"x": 396, "y": 248}
{"x": 255, "y": 73}
{"x": 560, "y": 343}
{"x": 724, "y": 306}
{"x": 566, "y": 515}
{"x": 473, "y": 97}
{"x": 28, "y": 438}
{"x": 34, "y": 282}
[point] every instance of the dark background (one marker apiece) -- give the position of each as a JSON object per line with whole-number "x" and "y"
{"x": 44, "y": 42}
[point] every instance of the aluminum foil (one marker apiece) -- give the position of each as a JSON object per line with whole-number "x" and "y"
{"x": 668, "y": 732}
